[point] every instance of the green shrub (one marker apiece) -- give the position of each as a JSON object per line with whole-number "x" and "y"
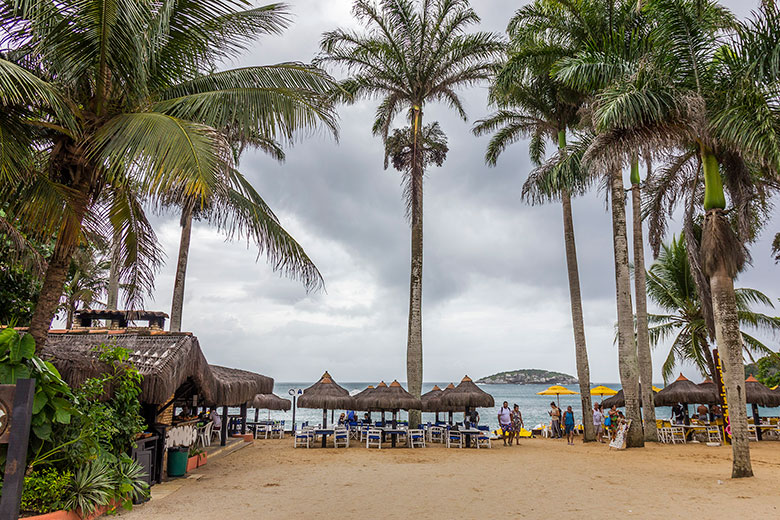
{"x": 45, "y": 490}
{"x": 90, "y": 487}
{"x": 127, "y": 478}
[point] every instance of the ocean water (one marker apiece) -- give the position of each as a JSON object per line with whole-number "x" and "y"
{"x": 533, "y": 407}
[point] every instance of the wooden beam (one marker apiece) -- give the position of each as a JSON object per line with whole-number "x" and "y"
{"x": 223, "y": 430}
{"x": 16, "y": 460}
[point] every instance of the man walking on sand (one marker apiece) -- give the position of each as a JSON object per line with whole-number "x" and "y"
{"x": 505, "y": 422}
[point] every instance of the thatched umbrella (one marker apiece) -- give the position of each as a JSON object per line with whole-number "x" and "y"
{"x": 684, "y": 391}
{"x": 362, "y": 395}
{"x": 431, "y": 401}
{"x": 327, "y": 395}
{"x": 619, "y": 400}
{"x": 757, "y": 394}
{"x": 269, "y": 402}
{"x": 392, "y": 398}
{"x": 466, "y": 396}
{"x": 440, "y": 404}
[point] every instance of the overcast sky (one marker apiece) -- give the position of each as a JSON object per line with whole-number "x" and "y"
{"x": 495, "y": 287}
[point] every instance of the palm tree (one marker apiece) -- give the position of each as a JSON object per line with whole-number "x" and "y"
{"x": 582, "y": 27}
{"x": 695, "y": 94}
{"x": 104, "y": 95}
{"x": 543, "y": 110}
{"x": 411, "y": 53}
{"x": 86, "y": 281}
{"x": 671, "y": 287}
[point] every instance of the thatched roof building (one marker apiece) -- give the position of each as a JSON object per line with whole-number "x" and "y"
{"x": 171, "y": 363}
{"x": 391, "y": 398}
{"x": 760, "y": 394}
{"x": 270, "y": 402}
{"x": 682, "y": 390}
{"x": 467, "y": 395}
{"x": 428, "y": 399}
{"x": 326, "y": 394}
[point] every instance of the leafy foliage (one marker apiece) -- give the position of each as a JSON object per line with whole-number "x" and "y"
{"x": 90, "y": 487}
{"x": 45, "y": 490}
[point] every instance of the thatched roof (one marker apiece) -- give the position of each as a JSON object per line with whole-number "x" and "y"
{"x": 326, "y": 394}
{"x": 428, "y": 399}
{"x": 758, "y": 393}
{"x": 467, "y": 395}
{"x": 384, "y": 397}
{"x": 685, "y": 391}
{"x": 270, "y": 402}
{"x": 167, "y": 361}
{"x": 619, "y": 400}
{"x": 360, "y": 399}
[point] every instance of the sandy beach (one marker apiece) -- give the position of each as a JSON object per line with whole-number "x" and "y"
{"x": 538, "y": 479}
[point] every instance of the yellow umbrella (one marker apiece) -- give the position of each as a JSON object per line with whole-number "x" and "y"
{"x": 557, "y": 391}
{"x": 656, "y": 389}
{"x": 602, "y": 390}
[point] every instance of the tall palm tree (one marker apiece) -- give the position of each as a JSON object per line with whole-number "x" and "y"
{"x": 541, "y": 109}
{"x": 698, "y": 94}
{"x": 595, "y": 26}
{"x": 106, "y": 94}
{"x": 411, "y": 53}
{"x": 671, "y": 287}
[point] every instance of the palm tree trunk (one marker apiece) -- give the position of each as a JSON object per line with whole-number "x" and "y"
{"x": 57, "y": 270}
{"x": 414, "y": 332}
{"x": 640, "y": 289}
{"x": 181, "y": 269}
{"x": 627, "y": 356}
{"x": 722, "y": 256}
{"x": 578, "y": 323}
{"x": 112, "y": 299}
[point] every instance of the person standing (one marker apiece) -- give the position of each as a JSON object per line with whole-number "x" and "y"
{"x": 598, "y": 422}
{"x": 568, "y": 424}
{"x": 517, "y": 424}
{"x": 555, "y": 414}
{"x": 505, "y": 422}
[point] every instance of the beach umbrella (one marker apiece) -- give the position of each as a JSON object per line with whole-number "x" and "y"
{"x": 601, "y": 391}
{"x": 327, "y": 395}
{"x": 684, "y": 391}
{"x": 619, "y": 401}
{"x": 758, "y": 394}
{"x": 360, "y": 395}
{"x": 431, "y": 402}
{"x": 557, "y": 391}
{"x": 391, "y": 398}
{"x": 442, "y": 407}
{"x": 467, "y": 395}
{"x": 269, "y": 402}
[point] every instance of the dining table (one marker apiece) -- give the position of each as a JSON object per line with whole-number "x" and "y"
{"x": 468, "y": 433}
{"x": 393, "y": 433}
{"x": 324, "y": 432}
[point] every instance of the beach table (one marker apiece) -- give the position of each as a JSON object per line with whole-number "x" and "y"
{"x": 469, "y": 433}
{"x": 393, "y": 433}
{"x": 324, "y": 432}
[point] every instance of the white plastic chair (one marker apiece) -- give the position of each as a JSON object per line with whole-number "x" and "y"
{"x": 303, "y": 438}
{"x": 204, "y": 435}
{"x": 341, "y": 438}
{"x": 483, "y": 440}
{"x": 374, "y": 438}
{"x": 263, "y": 430}
{"x": 415, "y": 438}
{"x": 677, "y": 434}
{"x": 752, "y": 432}
{"x": 277, "y": 430}
{"x": 454, "y": 438}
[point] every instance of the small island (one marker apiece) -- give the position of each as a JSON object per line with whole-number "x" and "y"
{"x": 529, "y": 376}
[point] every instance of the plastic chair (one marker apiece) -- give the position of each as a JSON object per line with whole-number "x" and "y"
{"x": 678, "y": 435}
{"x": 752, "y": 432}
{"x": 262, "y": 429}
{"x": 341, "y": 438}
{"x": 713, "y": 434}
{"x": 303, "y": 438}
{"x": 204, "y": 435}
{"x": 416, "y": 438}
{"x": 483, "y": 440}
{"x": 374, "y": 438}
{"x": 454, "y": 438}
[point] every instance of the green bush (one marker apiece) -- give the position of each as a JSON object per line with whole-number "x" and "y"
{"x": 45, "y": 490}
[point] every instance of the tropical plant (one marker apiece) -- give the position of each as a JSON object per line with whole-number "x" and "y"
{"x": 766, "y": 370}
{"x": 45, "y": 490}
{"x": 671, "y": 287}
{"x": 100, "y": 97}
{"x": 92, "y": 486}
{"x": 127, "y": 478}
{"x": 85, "y": 283}
{"x": 710, "y": 89}
{"x": 542, "y": 109}
{"x": 411, "y": 53}
{"x": 567, "y": 31}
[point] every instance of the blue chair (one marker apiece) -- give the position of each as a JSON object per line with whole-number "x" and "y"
{"x": 341, "y": 437}
{"x": 416, "y": 439}
{"x": 374, "y": 438}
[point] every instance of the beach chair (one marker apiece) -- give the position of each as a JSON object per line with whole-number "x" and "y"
{"x": 204, "y": 434}
{"x": 341, "y": 438}
{"x": 277, "y": 430}
{"x": 303, "y": 438}
{"x": 664, "y": 435}
{"x": 415, "y": 438}
{"x": 435, "y": 434}
{"x": 483, "y": 440}
{"x": 454, "y": 438}
{"x": 263, "y": 430}
{"x": 752, "y": 432}
{"x": 374, "y": 438}
{"x": 677, "y": 434}
{"x": 713, "y": 434}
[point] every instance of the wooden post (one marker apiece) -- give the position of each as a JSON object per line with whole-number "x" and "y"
{"x": 18, "y": 439}
{"x": 243, "y": 419}
{"x": 756, "y": 420}
{"x": 223, "y": 432}
{"x": 324, "y": 417}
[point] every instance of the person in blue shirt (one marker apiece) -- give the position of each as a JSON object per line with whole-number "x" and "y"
{"x": 568, "y": 424}
{"x": 351, "y": 416}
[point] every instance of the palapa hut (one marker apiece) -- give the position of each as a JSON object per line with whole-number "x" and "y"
{"x": 618, "y": 400}
{"x": 390, "y": 398}
{"x": 175, "y": 374}
{"x": 439, "y": 403}
{"x": 269, "y": 402}
{"x": 757, "y": 394}
{"x": 325, "y": 394}
{"x": 362, "y": 395}
{"x": 466, "y": 396}
{"x": 684, "y": 391}
{"x": 431, "y": 402}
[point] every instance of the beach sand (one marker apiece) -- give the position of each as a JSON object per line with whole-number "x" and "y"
{"x": 541, "y": 478}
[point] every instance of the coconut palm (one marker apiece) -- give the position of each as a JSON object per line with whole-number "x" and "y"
{"x": 85, "y": 283}
{"x": 411, "y": 53}
{"x": 696, "y": 94}
{"x": 595, "y": 26}
{"x": 104, "y": 95}
{"x": 671, "y": 288}
{"x": 542, "y": 109}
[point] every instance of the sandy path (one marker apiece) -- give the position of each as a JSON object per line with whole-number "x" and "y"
{"x": 539, "y": 479}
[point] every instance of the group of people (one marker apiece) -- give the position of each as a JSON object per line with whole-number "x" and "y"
{"x": 606, "y": 422}
{"x": 511, "y": 423}
{"x": 703, "y": 413}
{"x": 558, "y": 416}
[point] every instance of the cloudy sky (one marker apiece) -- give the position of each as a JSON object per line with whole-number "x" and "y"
{"x": 495, "y": 287}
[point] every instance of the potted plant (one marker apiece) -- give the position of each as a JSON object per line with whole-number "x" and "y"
{"x": 192, "y": 462}
{"x": 202, "y": 459}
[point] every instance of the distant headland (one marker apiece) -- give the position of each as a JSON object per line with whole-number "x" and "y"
{"x": 529, "y": 376}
